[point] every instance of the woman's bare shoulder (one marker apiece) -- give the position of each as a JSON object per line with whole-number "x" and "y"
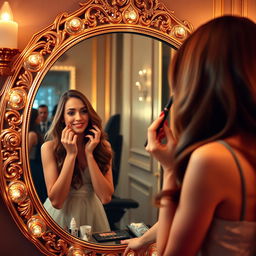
{"x": 212, "y": 160}
{"x": 48, "y": 146}
{"x": 206, "y": 165}
{"x": 211, "y": 151}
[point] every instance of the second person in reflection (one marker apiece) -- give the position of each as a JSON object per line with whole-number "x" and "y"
{"x": 77, "y": 165}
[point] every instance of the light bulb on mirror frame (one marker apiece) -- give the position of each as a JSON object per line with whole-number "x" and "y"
{"x": 36, "y": 226}
{"x": 130, "y": 15}
{"x": 34, "y": 62}
{"x": 179, "y": 32}
{"x": 17, "y": 191}
{"x": 8, "y": 39}
{"x": 74, "y": 26}
{"x": 75, "y": 251}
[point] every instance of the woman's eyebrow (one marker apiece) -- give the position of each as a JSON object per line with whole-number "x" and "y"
{"x": 84, "y": 107}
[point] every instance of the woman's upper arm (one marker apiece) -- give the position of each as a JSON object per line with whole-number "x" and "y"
{"x": 109, "y": 174}
{"x": 49, "y": 164}
{"x": 201, "y": 193}
{"x": 32, "y": 140}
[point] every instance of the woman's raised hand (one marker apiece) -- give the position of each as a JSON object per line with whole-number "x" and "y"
{"x": 134, "y": 244}
{"x": 93, "y": 139}
{"x": 69, "y": 139}
{"x": 161, "y": 151}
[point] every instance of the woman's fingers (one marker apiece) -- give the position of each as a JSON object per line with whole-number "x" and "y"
{"x": 169, "y": 134}
{"x": 74, "y": 140}
{"x": 152, "y": 135}
{"x": 96, "y": 131}
{"x": 96, "y": 134}
{"x": 69, "y": 140}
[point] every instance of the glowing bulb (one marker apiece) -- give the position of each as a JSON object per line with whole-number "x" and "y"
{"x": 132, "y": 15}
{"x": 37, "y": 230}
{"x": 180, "y": 32}
{"x": 6, "y": 12}
{"x": 15, "y": 98}
{"x": 138, "y": 84}
{"x": 75, "y": 23}
{"x": 36, "y": 226}
{"x": 73, "y": 251}
{"x": 17, "y": 191}
{"x": 33, "y": 60}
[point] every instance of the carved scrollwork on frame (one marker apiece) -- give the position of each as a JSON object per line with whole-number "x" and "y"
{"x": 54, "y": 244}
{"x": 94, "y": 17}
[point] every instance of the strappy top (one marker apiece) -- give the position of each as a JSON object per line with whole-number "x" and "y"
{"x": 231, "y": 238}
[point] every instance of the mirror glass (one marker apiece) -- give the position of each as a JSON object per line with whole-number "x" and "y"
{"x": 125, "y": 78}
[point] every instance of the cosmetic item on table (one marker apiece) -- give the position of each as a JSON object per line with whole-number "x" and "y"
{"x": 111, "y": 235}
{"x": 138, "y": 229}
{"x": 86, "y": 232}
{"x": 73, "y": 228}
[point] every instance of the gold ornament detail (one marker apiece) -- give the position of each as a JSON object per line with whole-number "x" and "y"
{"x": 10, "y": 141}
{"x": 54, "y": 244}
{"x": 25, "y": 80}
{"x": 26, "y": 209}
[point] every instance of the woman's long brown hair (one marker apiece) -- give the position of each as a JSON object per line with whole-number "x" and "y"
{"x": 213, "y": 76}
{"x": 101, "y": 153}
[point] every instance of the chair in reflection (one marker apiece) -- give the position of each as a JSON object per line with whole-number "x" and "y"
{"x": 117, "y": 207}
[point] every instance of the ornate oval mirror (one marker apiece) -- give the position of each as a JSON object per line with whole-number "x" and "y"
{"x": 126, "y": 25}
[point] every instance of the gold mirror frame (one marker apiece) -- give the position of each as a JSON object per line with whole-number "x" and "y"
{"x": 94, "y": 17}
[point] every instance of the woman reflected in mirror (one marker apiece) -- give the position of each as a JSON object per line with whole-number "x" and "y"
{"x": 208, "y": 200}
{"x": 35, "y": 141}
{"x": 77, "y": 165}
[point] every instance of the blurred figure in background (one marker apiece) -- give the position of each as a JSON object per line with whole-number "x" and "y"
{"x": 34, "y": 149}
{"x": 44, "y": 122}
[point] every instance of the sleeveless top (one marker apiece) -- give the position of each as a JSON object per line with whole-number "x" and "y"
{"x": 231, "y": 238}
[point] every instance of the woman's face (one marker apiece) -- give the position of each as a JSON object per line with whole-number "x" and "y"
{"x": 76, "y": 115}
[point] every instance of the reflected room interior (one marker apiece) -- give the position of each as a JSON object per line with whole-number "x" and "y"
{"x": 109, "y": 69}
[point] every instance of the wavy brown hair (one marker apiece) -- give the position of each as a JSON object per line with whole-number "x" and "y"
{"x": 213, "y": 76}
{"x": 101, "y": 153}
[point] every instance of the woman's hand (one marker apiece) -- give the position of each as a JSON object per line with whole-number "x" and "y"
{"x": 162, "y": 152}
{"x": 134, "y": 244}
{"x": 93, "y": 140}
{"x": 69, "y": 139}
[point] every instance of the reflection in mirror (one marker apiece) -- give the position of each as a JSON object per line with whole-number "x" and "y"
{"x": 76, "y": 161}
{"x": 124, "y": 76}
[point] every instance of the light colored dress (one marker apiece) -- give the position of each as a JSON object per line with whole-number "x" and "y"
{"x": 231, "y": 238}
{"x": 82, "y": 204}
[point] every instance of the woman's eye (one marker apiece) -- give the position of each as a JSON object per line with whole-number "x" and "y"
{"x": 71, "y": 113}
{"x": 84, "y": 111}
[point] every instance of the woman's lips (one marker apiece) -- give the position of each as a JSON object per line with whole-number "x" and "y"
{"x": 80, "y": 125}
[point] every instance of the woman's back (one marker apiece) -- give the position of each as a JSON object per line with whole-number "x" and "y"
{"x": 233, "y": 229}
